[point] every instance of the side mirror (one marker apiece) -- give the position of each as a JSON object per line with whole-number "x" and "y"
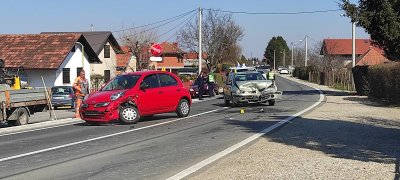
{"x": 143, "y": 86}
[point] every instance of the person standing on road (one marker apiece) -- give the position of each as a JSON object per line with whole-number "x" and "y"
{"x": 200, "y": 83}
{"x": 81, "y": 87}
{"x": 211, "y": 84}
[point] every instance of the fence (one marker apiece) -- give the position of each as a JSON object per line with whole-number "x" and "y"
{"x": 337, "y": 78}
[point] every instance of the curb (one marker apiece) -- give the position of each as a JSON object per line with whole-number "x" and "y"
{"x": 313, "y": 85}
{"x": 38, "y": 126}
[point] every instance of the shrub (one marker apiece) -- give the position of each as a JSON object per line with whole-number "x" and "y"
{"x": 384, "y": 82}
{"x": 302, "y": 72}
{"x": 361, "y": 80}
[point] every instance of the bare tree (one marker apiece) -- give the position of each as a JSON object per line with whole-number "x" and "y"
{"x": 139, "y": 40}
{"x": 220, "y": 37}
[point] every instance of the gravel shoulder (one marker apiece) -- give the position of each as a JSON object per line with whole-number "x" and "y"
{"x": 347, "y": 137}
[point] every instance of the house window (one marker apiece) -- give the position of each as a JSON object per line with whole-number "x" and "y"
{"x": 78, "y": 70}
{"x": 106, "y": 75}
{"x": 66, "y": 75}
{"x": 106, "y": 51}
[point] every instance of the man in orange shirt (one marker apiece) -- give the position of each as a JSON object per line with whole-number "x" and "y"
{"x": 81, "y": 87}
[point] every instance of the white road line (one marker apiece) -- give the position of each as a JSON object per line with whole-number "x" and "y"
{"x": 223, "y": 153}
{"x": 103, "y": 137}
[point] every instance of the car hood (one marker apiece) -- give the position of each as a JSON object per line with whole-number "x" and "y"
{"x": 100, "y": 96}
{"x": 259, "y": 85}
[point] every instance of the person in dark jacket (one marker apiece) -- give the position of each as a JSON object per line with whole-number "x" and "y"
{"x": 200, "y": 83}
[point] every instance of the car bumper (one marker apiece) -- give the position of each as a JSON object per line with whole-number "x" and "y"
{"x": 99, "y": 114}
{"x": 58, "y": 103}
{"x": 256, "y": 98}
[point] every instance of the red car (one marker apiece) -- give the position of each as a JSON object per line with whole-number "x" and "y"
{"x": 129, "y": 97}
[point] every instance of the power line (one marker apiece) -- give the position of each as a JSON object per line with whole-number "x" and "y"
{"x": 181, "y": 28}
{"x": 178, "y": 17}
{"x": 183, "y": 22}
{"x": 276, "y": 13}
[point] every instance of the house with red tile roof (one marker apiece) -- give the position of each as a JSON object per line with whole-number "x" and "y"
{"x": 126, "y": 61}
{"x": 341, "y": 49}
{"x": 172, "y": 57}
{"x": 55, "y": 57}
{"x": 371, "y": 57}
{"x": 106, "y": 47}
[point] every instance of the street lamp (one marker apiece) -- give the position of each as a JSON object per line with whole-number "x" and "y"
{"x": 83, "y": 53}
{"x": 284, "y": 57}
{"x": 353, "y": 41}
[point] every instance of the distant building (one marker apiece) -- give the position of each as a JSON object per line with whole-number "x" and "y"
{"x": 341, "y": 50}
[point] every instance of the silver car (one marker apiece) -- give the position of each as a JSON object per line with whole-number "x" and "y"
{"x": 250, "y": 87}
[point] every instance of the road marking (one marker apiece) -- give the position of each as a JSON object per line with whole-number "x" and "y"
{"x": 49, "y": 127}
{"x": 194, "y": 101}
{"x": 223, "y": 153}
{"x": 106, "y": 136}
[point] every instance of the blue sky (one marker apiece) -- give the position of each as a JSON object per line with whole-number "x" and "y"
{"x": 29, "y": 16}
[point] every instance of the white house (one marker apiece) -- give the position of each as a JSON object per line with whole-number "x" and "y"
{"x": 55, "y": 57}
{"x": 106, "y": 48}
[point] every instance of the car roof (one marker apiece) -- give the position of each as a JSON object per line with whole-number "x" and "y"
{"x": 247, "y": 72}
{"x": 146, "y": 72}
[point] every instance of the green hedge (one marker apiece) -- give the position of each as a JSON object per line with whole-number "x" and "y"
{"x": 384, "y": 82}
{"x": 302, "y": 72}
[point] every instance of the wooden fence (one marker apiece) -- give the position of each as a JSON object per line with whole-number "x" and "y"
{"x": 337, "y": 78}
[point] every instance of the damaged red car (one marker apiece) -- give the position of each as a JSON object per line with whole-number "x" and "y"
{"x": 129, "y": 97}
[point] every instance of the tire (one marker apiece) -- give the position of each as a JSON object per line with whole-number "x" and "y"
{"x": 23, "y": 117}
{"x": 226, "y": 101}
{"x": 129, "y": 114}
{"x": 271, "y": 102}
{"x": 183, "y": 108}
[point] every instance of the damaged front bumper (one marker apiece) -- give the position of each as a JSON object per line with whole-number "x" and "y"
{"x": 256, "y": 97}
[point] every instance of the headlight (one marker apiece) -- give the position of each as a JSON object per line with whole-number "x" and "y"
{"x": 191, "y": 90}
{"x": 102, "y": 104}
{"x": 116, "y": 95}
{"x": 84, "y": 105}
{"x": 240, "y": 92}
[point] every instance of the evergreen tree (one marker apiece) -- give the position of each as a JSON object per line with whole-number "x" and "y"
{"x": 381, "y": 19}
{"x": 279, "y": 45}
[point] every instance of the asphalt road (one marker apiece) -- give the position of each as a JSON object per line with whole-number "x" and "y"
{"x": 147, "y": 150}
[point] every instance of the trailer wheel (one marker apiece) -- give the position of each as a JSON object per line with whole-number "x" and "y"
{"x": 22, "y": 117}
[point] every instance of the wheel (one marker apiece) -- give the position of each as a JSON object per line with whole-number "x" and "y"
{"x": 233, "y": 101}
{"x": 226, "y": 101}
{"x": 22, "y": 117}
{"x": 183, "y": 108}
{"x": 129, "y": 114}
{"x": 271, "y": 102}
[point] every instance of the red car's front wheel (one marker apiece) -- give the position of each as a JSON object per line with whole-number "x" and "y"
{"x": 129, "y": 114}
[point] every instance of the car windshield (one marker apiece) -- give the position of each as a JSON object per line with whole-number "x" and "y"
{"x": 121, "y": 82}
{"x": 249, "y": 77}
{"x": 61, "y": 90}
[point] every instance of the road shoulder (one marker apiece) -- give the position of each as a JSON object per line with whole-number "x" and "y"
{"x": 348, "y": 137}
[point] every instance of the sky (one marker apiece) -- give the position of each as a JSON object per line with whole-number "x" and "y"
{"x": 35, "y": 16}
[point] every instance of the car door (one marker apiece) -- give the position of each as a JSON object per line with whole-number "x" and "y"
{"x": 150, "y": 97}
{"x": 170, "y": 90}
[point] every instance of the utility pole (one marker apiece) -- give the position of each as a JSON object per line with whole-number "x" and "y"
{"x": 284, "y": 57}
{"x": 91, "y": 28}
{"x": 200, "y": 50}
{"x": 353, "y": 38}
{"x": 274, "y": 60}
{"x": 306, "y": 57}
{"x": 292, "y": 54}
